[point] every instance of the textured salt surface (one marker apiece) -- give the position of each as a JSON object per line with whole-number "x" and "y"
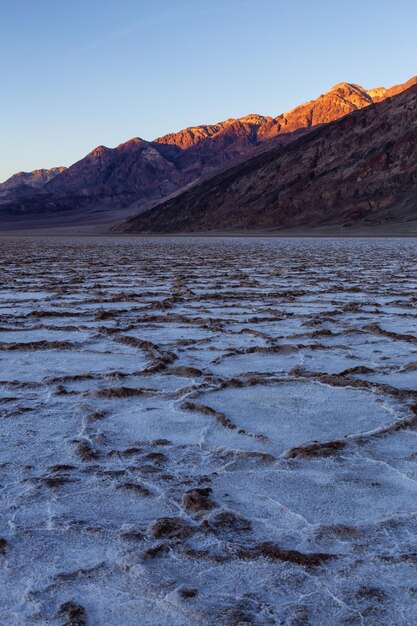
{"x": 208, "y": 431}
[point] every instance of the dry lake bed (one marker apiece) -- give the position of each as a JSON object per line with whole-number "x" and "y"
{"x": 208, "y": 431}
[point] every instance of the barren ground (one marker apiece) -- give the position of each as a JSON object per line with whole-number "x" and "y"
{"x": 208, "y": 431}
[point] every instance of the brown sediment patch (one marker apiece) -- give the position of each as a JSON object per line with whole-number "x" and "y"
{"x": 353, "y": 307}
{"x": 187, "y": 372}
{"x": 85, "y": 451}
{"x": 195, "y": 554}
{"x": 227, "y": 521}
{"x": 270, "y": 550}
{"x": 166, "y": 476}
{"x": 339, "y": 531}
{"x": 139, "y": 489}
{"x": 123, "y": 296}
{"x": 171, "y": 528}
{"x": 280, "y": 349}
{"x": 243, "y": 614}
{"x": 54, "y": 313}
{"x": 262, "y": 457}
{"x": 60, "y": 390}
{"x": 146, "y": 469}
{"x": 180, "y": 288}
{"x": 75, "y": 613}
{"x": 410, "y": 557}
{"x": 315, "y": 449}
{"x": 37, "y": 345}
{"x": 96, "y": 416}
{"x": 359, "y": 369}
{"x": 250, "y": 381}
{"x": 160, "y": 442}
{"x": 188, "y": 592}
{"x": 106, "y": 314}
{"x": 72, "y": 378}
{"x": 161, "y": 363}
{"x": 112, "y": 473}
{"x": 66, "y": 328}
{"x": 132, "y": 534}
{"x": 375, "y": 328}
{"x": 82, "y": 572}
{"x": 56, "y": 481}
{"x": 18, "y": 412}
{"x": 192, "y": 342}
{"x": 235, "y": 456}
{"x": 198, "y": 500}
{"x": 184, "y": 391}
{"x": 128, "y": 452}
{"x": 159, "y": 550}
{"x": 160, "y": 358}
{"x": 162, "y": 305}
{"x": 323, "y": 332}
{"x": 340, "y": 380}
{"x": 157, "y": 457}
{"x": 61, "y": 467}
{"x": 122, "y": 392}
{"x": 410, "y": 367}
{"x": 219, "y": 417}
{"x": 3, "y": 545}
{"x": 371, "y": 593}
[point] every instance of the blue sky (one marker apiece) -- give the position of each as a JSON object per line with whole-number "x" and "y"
{"x": 77, "y": 74}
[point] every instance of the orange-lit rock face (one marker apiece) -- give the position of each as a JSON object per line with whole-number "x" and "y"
{"x": 381, "y": 93}
{"x": 334, "y": 104}
{"x": 190, "y": 136}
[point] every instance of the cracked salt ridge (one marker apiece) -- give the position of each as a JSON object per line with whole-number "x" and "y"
{"x": 290, "y": 414}
{"x": 404, "y": 326}
{"x": 367, "y": 348}
{"x": 76, "y": 469}
{"x": 405, "y": 380}
{"x": 235, "y": 365}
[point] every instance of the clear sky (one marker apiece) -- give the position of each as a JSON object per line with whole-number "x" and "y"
{"x": 81, "y": 73}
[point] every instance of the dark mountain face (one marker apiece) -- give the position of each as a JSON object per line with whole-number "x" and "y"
{"x": 361, "y": 169}
{"x": 135, "y": 167}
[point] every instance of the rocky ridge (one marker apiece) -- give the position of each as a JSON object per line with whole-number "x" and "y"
{"x": 36, "y": 178}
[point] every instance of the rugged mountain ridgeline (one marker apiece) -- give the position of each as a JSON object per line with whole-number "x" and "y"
{"x": 37, "y": 178}
{"x": 359, "y": 171}
{"x": 109, "y": 183}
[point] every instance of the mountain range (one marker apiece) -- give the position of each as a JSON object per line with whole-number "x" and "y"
{"x": 346, "y": 159}
{"x": 37, "y": 178}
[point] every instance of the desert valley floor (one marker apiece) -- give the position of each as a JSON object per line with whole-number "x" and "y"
{"x": 208, "y": 431}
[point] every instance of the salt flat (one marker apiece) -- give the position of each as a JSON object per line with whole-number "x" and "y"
{"x": 208, "y": 431}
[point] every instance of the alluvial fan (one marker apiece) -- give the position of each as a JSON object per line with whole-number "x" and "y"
{"x": 208, "y": 431}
